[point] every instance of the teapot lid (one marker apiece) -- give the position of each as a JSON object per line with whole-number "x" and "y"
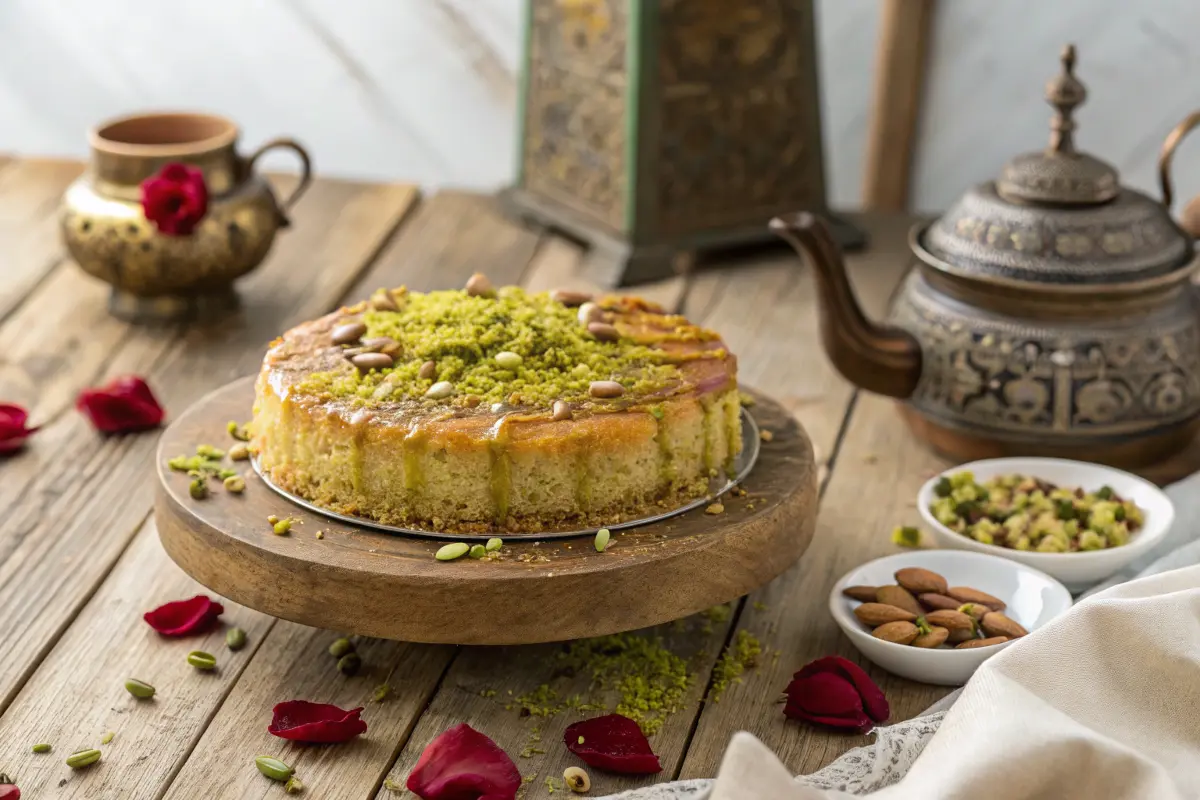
{"x": 1057, "y": 216}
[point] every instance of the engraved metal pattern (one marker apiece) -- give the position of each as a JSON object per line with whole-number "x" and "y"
{"x": 1084, "y": 378}
{"x": 740, "y": 119}
{"x": 1130, "y": 238}
{"x": 742, "y": 466}
{"x": 575, "y": 106}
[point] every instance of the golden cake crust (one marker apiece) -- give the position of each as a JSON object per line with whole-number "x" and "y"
{"x": 460, "y": 464}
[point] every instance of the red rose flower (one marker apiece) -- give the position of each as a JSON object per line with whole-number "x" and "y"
{"x": 9, "y": 791}
{"x": 125, "y": 405}
{"x": 836, "y": 693}
{"x": 315, "y": 723}
{"x": 13, "y": 429}
{"x": 613, "y": 742}
{"x": 175, "y": 199}
{"x": 463, "y": 764}
{"x": 184, "y": 617}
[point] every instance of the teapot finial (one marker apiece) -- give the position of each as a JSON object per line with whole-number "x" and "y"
{"x": 1065, "y": 93}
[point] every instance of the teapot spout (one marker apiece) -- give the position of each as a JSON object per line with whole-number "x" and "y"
{"x": 881, "y": 359}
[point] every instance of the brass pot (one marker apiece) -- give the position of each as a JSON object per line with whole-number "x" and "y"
{"x": 1050, "y": 312}
{"x": 155, "y": 276}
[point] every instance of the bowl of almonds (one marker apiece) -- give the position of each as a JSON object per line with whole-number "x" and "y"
{"x": 935, "y": 616}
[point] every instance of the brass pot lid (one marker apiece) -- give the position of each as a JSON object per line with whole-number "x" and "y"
{"x": 1057, "y": 216}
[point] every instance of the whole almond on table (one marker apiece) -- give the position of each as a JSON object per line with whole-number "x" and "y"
{"x": 920, "y": 581}
{"x": 935, "y": 638}
{"x": 933, "y": 601}
{"x": 997, "y": 624}
{"x": 863, "y": 594}
{"x": 899, "y": 597}
{"x": 951, "y": 620}
{"x": 965, "y": 594}
{"x": 873, "y": 614}
{"x": 981, "y": 643}
{"x": 898, "y": 632}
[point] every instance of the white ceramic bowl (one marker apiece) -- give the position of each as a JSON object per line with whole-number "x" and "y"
{"x": 1033, "y": 598}
{"x": 1079, "y": 570}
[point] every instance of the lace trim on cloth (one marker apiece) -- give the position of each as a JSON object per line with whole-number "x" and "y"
{"x": 859, "y": 771}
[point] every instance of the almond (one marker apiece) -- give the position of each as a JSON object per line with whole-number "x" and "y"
{"x": 974, "y": 610}
{"x": 959, "y": 636}
{"x": 898, "y": 632}
{"x": 966, "y": 594}
{"x": 863, "y": 594}
{"x": 982, "y": 642}
{"x": 919, "y": 581}
{"x": 996, "y": 624}
{"x": 952, "y": 620}
{"x": 899, "y": 597}
{"x": 935, "y": 638}
{"x": 874, "y": 614}
{"x": 933, "y": 601}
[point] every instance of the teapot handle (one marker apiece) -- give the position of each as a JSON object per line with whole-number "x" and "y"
{"x": 1167, "y": 154}
{"x": 305, "y": 171}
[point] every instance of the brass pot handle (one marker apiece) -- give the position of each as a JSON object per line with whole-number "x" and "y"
{"x": 1168, "y": 153}
{"x": 305, "y": 171}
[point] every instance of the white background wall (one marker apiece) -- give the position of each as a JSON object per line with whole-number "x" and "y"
{"x": 425, "y": 90}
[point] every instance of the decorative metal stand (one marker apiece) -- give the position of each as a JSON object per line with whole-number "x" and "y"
{"x": 655, "y": 129}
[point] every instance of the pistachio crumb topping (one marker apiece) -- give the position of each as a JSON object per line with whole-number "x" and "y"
{"x": 513, "y": 343}
{"x": 741, "y": 655}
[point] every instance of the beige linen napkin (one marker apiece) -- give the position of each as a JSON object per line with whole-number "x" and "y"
{"x": 1104, "y": 702}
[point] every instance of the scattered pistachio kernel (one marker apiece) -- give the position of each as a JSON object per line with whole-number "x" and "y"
{"x": 239, "y": 452}
{"x": 602, "y": 537}
{"x": 208, "y": 451}
{"x": 906, "y": 536}
{"x": 349, "y": 664}
{"x": 282, "y": 527}
{"x": 107, "y": 737}
{"x": 766, "y": 435}
{"x": 235, "y": 484}
{"x": 83, "y": 758}
{"x": 273, "y": 768}
{"x": 477, "y": 551}
{"x": 237, "y": 431}
{"x": 226, "y": 474}
{"x": 42, "y": 748}
{"x": 272, "y": 519}
{"x": 341, "y": 647}
{"x": 507, "y": 359}
{"x": 198, "y": 488}
{"x": 320, "y": 534}
{"x": 715, "y": 508}
{"x": 576, "y": 780}
{"x": 449, "y": 552}
{"x": 381, "y": 693}
{"x": 493, "y": 544}
{"x": 747, "y": 400}
{"x": 440, "y": 390}
{"x": 579, "y": 740}
{"x": 202, "y": 660}
{"x": 293, "y": 785}
{"x": 235, "y": 639}
{"x": 139, "y": 689}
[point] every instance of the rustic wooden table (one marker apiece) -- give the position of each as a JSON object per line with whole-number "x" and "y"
{"x": 80, "y": 559}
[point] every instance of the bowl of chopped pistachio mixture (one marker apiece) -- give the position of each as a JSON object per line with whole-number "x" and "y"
{"x": 1076, "y": 521}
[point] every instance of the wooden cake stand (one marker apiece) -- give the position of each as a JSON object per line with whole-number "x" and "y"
{"x": 373, "y": 583}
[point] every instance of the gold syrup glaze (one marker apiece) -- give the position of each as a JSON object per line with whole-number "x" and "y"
{"x": 499, "y": 436}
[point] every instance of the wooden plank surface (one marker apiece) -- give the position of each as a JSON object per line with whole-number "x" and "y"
{"x": 90, "y": 566}
{"x": 904, "y": 38}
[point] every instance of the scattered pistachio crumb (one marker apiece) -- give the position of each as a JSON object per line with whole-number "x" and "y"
{"x": 766, "y": 435}
{"x": 906, "y": 536}
{"x": 208, "y": 451}
{"x": 746, "y": 399}
{"x": 553, "y": 785}
{"x": 715, "y": 508}
{"x": 107, "y": 737}
{"x": 381, "y": 693}
{"x": 293, "y": 785}
{"x": 718, "y": 614}
{"x": 759, "y": 605}
{"x": 579, "y": 740}
{"x": 392, "y": 786}
{"x": 742, "y": 654}
{"x": 320, "y": 534}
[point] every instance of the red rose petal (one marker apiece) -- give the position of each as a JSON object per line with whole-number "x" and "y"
{"x": 9, "y": 791}
{"x": 125, "y": 405}
{"x": 837, "y": 693}
{"x": 315, "y": 723}
{"x": 463, "y": 764}
{"x": 13, "y": 428}
{"x": 184, "y": 617}
{"x": 613, "y": 742}
{"x": 176, "y": 199}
